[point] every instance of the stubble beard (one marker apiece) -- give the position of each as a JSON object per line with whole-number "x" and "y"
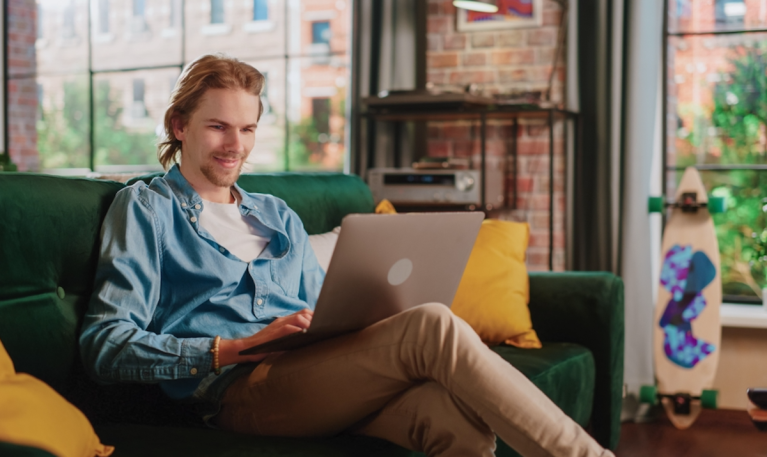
{"x": 219, "y": 178}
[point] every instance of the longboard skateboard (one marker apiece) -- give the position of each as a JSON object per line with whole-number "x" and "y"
{"x": 758, "y": 415}
{"x": 686, "y": 324}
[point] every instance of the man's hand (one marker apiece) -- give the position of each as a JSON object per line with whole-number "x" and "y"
{"x": 228, "y": 350}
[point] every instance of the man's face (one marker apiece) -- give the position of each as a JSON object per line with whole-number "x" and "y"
{"x": 217, "y": 138}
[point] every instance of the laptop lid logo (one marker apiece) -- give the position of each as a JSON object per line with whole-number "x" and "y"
{"x": 400, "y": 271}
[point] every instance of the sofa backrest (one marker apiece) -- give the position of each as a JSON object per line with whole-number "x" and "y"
{"x": 49, "y": 241}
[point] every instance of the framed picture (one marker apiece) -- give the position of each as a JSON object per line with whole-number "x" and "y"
{"x": 511, "y": 14}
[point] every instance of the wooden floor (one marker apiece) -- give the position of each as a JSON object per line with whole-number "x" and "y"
{"x": 716, "y": 433}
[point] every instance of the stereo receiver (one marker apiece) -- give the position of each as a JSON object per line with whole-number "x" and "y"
{"x": 435, "y": 187}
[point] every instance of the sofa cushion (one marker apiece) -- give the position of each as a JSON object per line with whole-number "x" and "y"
{"x": 50, "y": 238}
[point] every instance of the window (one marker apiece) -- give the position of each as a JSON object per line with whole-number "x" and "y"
{"x": 321, "y": 115}
{"x": 216, "y": 11}
{"x": 717, "y": 122}
{"x": 139, "y": 108}
{"x": 260, "y": 10}
{"x": 174, "y": 14}
{"x": 104, "y": 16}
{"x": 68, "y": 22}
{"x": 321, "y": 32}
{"x": 130, "y": 75}
{"x": 138, "y": 8}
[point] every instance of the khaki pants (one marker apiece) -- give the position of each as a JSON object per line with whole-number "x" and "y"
{"x": 421, "y": 379}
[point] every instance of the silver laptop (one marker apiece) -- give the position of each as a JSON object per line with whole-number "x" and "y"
{"x": 383, "y": 265}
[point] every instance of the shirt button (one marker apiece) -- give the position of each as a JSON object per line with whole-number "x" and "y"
{"x": 193, "y": 371}
{"x": 259, "y": 302}
{"x": 193, "y": 219}
{"x": 222, "y": 249}
{"x": 183, "y": 205}
{"x": 255, "y": 207}
{"x": 197, "y": 206}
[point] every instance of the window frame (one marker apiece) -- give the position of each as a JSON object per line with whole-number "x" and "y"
{"x": 668, "y": 170}
{"x": 92, "y": 12}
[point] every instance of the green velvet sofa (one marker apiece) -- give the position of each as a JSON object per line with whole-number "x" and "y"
{"x": 50, "y": 235}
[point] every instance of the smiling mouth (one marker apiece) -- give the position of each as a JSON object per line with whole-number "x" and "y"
{"x": 227, "y": 162}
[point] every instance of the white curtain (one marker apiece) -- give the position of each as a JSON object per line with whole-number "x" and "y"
{"x": 643, "y": 112}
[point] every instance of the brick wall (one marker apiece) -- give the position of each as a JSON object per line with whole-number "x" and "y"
{"x": 22, "y": 87}
{"x": 504, "y": 62}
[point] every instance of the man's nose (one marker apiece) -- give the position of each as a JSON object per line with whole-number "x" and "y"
{"x": 234, "y": 140}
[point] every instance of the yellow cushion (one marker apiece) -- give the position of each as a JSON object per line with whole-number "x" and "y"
{"x": 494, "y": 289}
{"x": 385, "y": 207}
{"x": 33, "y": 414}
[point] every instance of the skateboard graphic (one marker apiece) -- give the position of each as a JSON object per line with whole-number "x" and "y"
{"x": 686, "y": 326}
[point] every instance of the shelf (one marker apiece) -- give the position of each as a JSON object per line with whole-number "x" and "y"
{"x": 744, "y": 316}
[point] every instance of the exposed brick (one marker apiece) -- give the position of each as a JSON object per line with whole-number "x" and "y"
{"x": 474, "y": 59}
{"x": 482, "y": 40}
{"x": 445, "y": 60}
{"x": 511, "y": 38}
{"x": 465, "y": 148}
{"x": 454, "y": 42}
{"x": 513, "y": 57}
{"x": 525, "y": 184}
{"x": 471, "y": 76}
{"x": 546, "y": 56}
{"x": 539, "y": 239}
{"x": 439, "y": 148}
{"x": 537, "y": 130}
{"x": 514, "y": 75}
{"x": 436, "y": 77}
{"x": 456, "y": 132}
{"x": 438, "y": 24}
{"x": 552, "y": 18}
{"x": 537, "y": 260}
{"x": 542, "y": 37}
{"x": 433, "y": 42}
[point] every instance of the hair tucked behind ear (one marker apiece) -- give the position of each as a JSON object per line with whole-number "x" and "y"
{"x": 208, "y": 72}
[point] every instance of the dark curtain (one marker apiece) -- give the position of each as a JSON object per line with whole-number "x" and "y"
{"x": 596, "y": 220}
{"x": 389, "y": 53}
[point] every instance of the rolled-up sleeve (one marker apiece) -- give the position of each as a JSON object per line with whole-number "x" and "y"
{"x": 115, "y": 343}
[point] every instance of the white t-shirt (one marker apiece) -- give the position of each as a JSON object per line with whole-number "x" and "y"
{"x": 245, "y": 238}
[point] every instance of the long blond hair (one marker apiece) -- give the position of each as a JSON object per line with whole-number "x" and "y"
{"x": 208, "y": 72}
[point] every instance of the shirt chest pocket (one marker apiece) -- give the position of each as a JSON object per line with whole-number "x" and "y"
{"x": 286, "y": 273}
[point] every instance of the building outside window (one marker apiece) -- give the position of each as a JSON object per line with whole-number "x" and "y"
{"x": 216, "y": 11}
{"x": 260, "y": 10}
{"x": 716, "y": 120}
{"x": 128, "y": 78}
{"x": 321, "y": 32}
{"x": 104, "y": 16}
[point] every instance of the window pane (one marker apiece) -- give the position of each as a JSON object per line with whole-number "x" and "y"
{"x": 62, "y": 43}
{"x": 716, "y": 15}
{"x": 269, "y": 151}
{"x": 319, "y": 27}
{"x": 130, "y": 107}
{"x": 63, "y": 121}
{"x": 741, "y": 230}
{"x": 260, "y": 10}
{"x": 316, "y": 112}
{"x": 237, "y": 34}
{"x": 134, "y": 33}
{"x": 716, "y": 97}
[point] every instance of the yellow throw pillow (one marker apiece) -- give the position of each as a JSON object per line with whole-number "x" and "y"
{"x": 33, "y": 414}
{"x": 385, "y": 207}
{"x": 494, "y": 290}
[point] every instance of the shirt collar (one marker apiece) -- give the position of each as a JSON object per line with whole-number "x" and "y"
{"x": 248, "y": 205}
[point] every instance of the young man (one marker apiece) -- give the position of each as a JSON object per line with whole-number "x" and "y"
{"x": 193, "y": 269}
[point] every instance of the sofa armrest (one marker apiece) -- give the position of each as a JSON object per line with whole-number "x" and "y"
{"x": 586, "y": 308}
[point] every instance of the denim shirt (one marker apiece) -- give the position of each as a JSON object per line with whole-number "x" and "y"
{"x": 164, "y": 288}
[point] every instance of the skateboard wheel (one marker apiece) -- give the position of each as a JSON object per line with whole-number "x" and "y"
{"x": 708, "y": 398}
{"x": 648, "y": 394}
{"x": 655, "y": 204}
{"x": 717, "y": 205}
